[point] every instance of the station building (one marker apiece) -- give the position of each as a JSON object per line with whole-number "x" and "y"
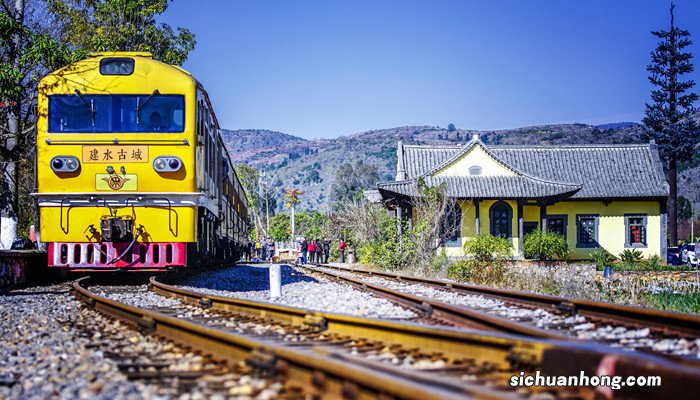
{"x": 611, "y": 196}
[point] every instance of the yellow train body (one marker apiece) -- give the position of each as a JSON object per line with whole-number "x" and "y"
{"x": 151, "y": 166}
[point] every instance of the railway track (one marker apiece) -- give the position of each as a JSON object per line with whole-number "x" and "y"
{"x": 486, "y": 358}
{"x": 323, "y": 369}
{"x": 573, "y": 315}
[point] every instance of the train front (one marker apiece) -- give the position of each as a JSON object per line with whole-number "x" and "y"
{"x": 116, "y": 164}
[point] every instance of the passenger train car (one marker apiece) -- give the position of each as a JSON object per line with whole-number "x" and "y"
{"x": 132, "y": 172}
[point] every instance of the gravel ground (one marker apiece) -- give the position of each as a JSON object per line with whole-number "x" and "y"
{"x": 575, "y": 326}
{"x": 251, "y": 282}
{"x": 52, "y": 347}
{"x": 42, "y": 355}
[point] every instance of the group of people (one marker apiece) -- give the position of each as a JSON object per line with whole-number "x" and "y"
{"x": 317, "y": 251}
{"x": 263, "y": 249}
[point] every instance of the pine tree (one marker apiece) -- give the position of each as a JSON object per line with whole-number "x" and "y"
{"x": 668, "y": 119}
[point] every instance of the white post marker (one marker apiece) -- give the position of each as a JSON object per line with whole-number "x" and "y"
{"x": 275, "y": 281}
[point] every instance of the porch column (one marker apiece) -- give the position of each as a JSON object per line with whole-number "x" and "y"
{"x": 543, "y": 217}
{"x": 409, "y": 211}
{"x": 664, "y": 229}
{"x": 399, "y": 223}
{"x": 476, "y": 208}
{"x": 521, "y": 227}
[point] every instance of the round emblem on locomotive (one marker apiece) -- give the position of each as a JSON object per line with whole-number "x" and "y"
{"x": 116, "y": 182}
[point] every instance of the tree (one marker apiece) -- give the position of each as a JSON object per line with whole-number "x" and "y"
{"x": 291, "y": 199}
{"x": 279, "y": 228}
{"x": 27, "y": 52}
{"x": 685, "y": 209}
{"x": 38, "y": 38}
{"x": 668, "y": 120}
{"x": 451, "y": 128}
{"x": 122, "y": 25}
{"x": 351, "y": 178}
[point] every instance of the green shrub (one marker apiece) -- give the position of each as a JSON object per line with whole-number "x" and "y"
{"x": 653, "y": 263}
{"x": 440, "y": 262}
{"x": 461, "y": 270}
{"x": 545, "y": 246}
{"x": 630, "y": 258}
{"x": 602, "y": 257}
{"x": 487, "y": 264}
{"x": 488, "y": 248}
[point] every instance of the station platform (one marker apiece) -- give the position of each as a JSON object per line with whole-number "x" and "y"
{"x": 20, "y": 266}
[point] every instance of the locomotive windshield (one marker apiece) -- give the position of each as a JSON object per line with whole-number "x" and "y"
{"x": 76, "y": 113}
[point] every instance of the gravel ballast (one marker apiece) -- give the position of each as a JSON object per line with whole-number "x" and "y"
{"x": 251, "y": 282}
{"x": 53, "y": 347}
{"x": 43, "y": 354}
{"x": 576, "y": 326}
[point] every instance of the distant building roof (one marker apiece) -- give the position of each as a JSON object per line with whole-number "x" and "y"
{"x": 372, "y": 196}
{"x": 610, "y": 171}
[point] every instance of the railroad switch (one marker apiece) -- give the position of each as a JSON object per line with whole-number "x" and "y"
{"x": 147, "y": 324}
{"x": 567, "y": 307}
{"x": 262, "y": 360}
{"x": 205, "y": 302}
{"x": 523, "y": 359}
{"x": 427, "y": 308}
{"x": 315, "y": 323}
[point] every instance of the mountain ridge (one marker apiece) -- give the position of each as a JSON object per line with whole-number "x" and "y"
{"x": 311, "y": 164}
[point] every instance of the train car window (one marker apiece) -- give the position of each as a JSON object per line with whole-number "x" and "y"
{"x": 117, "y": 66}
{"x": 225, "y": 168}
{"x": 75, "y": 113}
{"x": 79, "y": 113}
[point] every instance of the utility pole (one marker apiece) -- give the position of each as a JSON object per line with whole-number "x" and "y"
{"x": 292, "y": 223}
{"x": 10, "y": 202}
{"x": 263, "y": 183}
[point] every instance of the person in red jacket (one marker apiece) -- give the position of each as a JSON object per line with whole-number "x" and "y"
{"x": 342, "y": 250}
{"x": 312, "y": 251}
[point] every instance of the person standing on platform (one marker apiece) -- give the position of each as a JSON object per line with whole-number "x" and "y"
{"x": 342, "y": 250}
{"x": 319, "y": 251}
{"x": 304, "y": 248}
{"x": 326, "y": 249}
{"x": 312, "y": 251}
{"x": 270, "y": 249}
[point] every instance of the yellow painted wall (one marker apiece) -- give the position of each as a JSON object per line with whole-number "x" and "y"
{"x": 611, "y": 224}
{"x": 476, "y": 156}
{"x": 76, "y": 221}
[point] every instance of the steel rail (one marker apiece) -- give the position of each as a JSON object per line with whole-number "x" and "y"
{"x": 458, "y": 315}
{"x": 513, "y": 353}
{"x": 672, "y": 323}
{"x": 321, "y": 374}
{"x": 499, "y": 349}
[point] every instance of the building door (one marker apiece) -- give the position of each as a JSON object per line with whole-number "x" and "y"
{"x": 501, "y": 215}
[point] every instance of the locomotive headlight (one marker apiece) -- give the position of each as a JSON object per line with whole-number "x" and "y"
{"x": 72, "y": 164}
{"x": 167, "y": 164}
{"x": 160, "y": 164}
{"x": 65, "y": 164}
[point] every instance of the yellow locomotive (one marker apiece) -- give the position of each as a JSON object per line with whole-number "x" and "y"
{"x": 132, "y": 171}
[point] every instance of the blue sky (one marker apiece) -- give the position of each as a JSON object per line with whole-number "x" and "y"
{"x": 327, "y": 68}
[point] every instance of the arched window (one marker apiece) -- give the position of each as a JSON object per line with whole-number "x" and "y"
{"x": 501, "y": 215}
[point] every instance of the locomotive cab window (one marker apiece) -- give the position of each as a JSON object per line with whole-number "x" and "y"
{"x": 76, "y": 113}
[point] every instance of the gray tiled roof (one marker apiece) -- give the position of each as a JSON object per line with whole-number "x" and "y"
{"x": 602, "y": 171}
{"x": 372, "y": 196}
{"x": 486, "y": 187}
